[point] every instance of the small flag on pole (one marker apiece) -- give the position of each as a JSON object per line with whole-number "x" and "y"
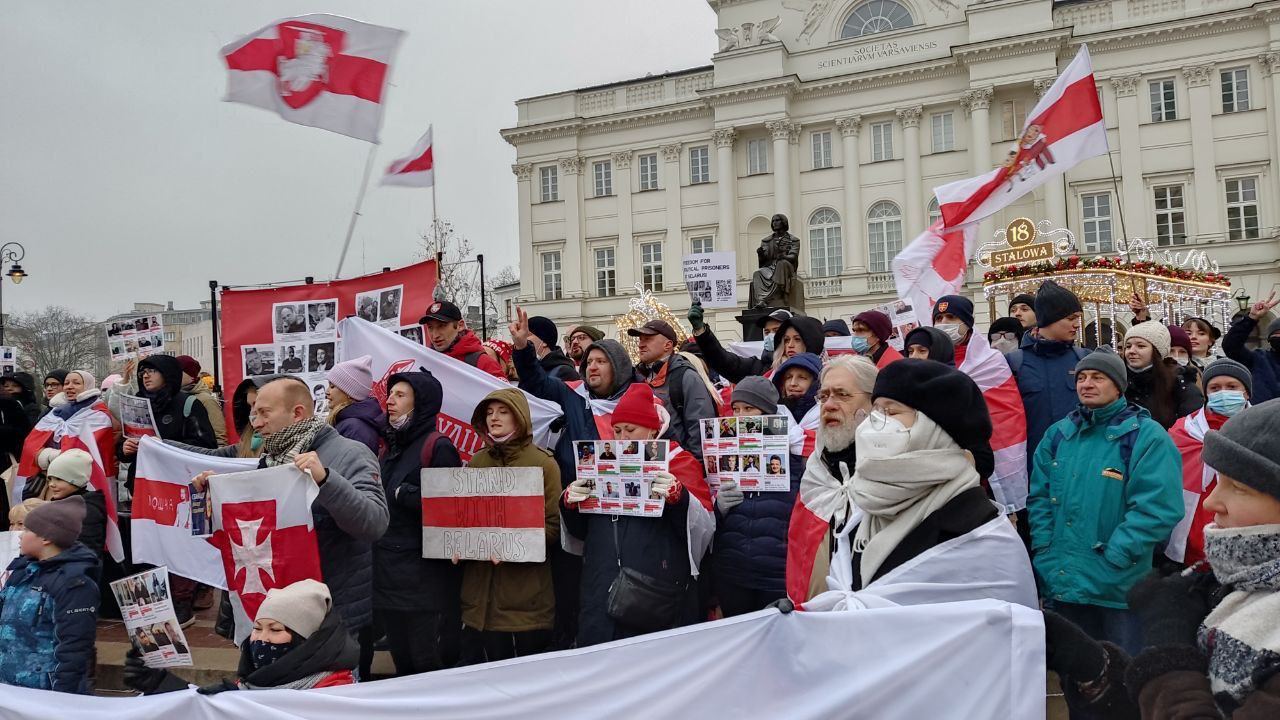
{"x": 417, "y": 169}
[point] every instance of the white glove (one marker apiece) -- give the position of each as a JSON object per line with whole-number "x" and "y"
{"x": 729, "y": 497}
{"x": 578, "y": 491}
{"x": 662, "y": 485}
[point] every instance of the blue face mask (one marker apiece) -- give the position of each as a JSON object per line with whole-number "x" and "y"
{"x": 768, "y": 343}
{"x": 861, "y": 345}
{"x": 1227, "y": 402}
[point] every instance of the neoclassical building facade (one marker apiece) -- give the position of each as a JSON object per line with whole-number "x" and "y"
{"x": 844, "y": 115}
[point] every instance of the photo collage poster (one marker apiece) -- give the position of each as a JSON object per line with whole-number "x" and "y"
{"x": 149, "y": 619}
{"x": 381, "y": 307}
{"x": 304, "y": 343}
{"x": 136, "y": 419}
{"x": 8, "y": 359}
{"x": 135, "y": 337}
{"x": 620, "y": 473}
{"x": 903, "y": 318}
{"x": 752, "y": 451}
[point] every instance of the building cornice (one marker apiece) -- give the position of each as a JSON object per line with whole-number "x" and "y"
{"x": 541, "y": 131}
{"x": 1199, "y": 26}
{"x": 1004, "y": 48}
{"x": 762, "y": 90}
{"x": 644, "y": 118}
{"x": 874, "y": 79}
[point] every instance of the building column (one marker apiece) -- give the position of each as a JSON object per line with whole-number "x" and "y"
{"x": 571, "y": 267}
{"x": 726, "y": 189}
{"x": 1133, "y": 209}
{"x": 910, "y": 119}
{"x": 1208, "y": 221}
{"x": 852, "y": 223}
{"x": 673, "y": 249}
{"x": 524, "y": 212}
{"x": 1271, "y": 70}
{"x": 781, "y": 131}
{"x": 977, "y": 105}
{"x": 793, "y": 168}
{"x": 1055, "y": 192}
{"x": 628, "y": 259}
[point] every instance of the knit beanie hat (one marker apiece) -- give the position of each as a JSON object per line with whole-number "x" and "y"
{"x": 1105, "y": 361}
{"x": 636, "y": 407}
{"x": 544, "y": 328}
{"x": 502, "y": 347}
{"x": 837, "y": 326}
{"x": 59, "y": 521}
{"x": 110, "y": 381}
{"x": 353, "y": 377}
{"x": 756, "y": 391}
{"x": 18, "y": 514}
{"x": 1154, "y": 333}
{"x": 72, "y": 466}
{"x": 949, "y": 397}
{"x": 1245, "y": 449}
{"x": 59, "y": 375}
{"x": 590, "y": 331}
{"x": 879, "y": 323}
{"x": 958, "y": 305}
{"x": 1005, "y": 324}
{"x": 1274, "y": 327}
{"x": 190, "y": 366}
{"x": 1024, "y": 299}
{"x": 301, "y": 607}
{"x": 1054, "y": 302}
{"x": 1179, "y": 338}
{"x": 1229, "y": 368}
{"x": 938, "y": 343}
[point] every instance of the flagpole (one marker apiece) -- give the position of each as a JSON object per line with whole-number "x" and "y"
{"x": 355, "y": 213}
{"x": 435, "y": 180}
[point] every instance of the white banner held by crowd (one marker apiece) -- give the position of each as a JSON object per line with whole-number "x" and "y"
{"x": 712, "y": 279}
{"x": 484, "y": 514}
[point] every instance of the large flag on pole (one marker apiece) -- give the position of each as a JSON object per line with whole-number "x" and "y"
{"x": 933, "y": 265}
{"x": 417, "y": 169}
{"x": 325, "y": 71}
{"x": 1064, "y": 129}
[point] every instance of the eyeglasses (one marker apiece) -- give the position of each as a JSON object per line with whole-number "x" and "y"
{"x": 579, "y": 336}
{"x": 52, "y": 385}
{"x": 879, "y": 418}
{"x": 838, "y": 395}
{"x": 150, "y": 371}
{"x": 1004, "y": 336}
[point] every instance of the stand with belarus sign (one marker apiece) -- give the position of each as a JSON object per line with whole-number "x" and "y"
{"x": 484, "y": 514}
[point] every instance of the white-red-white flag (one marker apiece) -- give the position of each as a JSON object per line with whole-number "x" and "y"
{"x": 90, "y": 430}
{"x": 320, "y": 70}
{"x": 933, "y": 265}
{"x": 1064, "y": 129}
{"x": 161, "y": 523}
{"x": 264, "y": 530}
{"x": 417, "y": 169}
{"x": 988, "y": 369}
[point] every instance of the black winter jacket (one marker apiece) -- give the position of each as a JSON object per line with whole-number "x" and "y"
{"x": 179, "y": 416}
{"x": 751, "y": 539}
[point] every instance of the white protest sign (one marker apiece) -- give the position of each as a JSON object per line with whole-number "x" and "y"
{"x": 712, "y": 279}
{"x": 149, "y": 618}
{"x": 484, "y": 514}
{"x": 9, "y": 551}
{"x": 136, "y": 418}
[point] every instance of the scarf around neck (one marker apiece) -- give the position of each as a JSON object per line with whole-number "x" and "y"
{"x": 281, "y": 447}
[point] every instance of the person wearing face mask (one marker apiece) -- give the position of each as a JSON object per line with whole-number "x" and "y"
{"x": 931, "y": 343}
{"x": 729, "y": 364}
{"x": 1227, "y": 386}
{"x": 953, "y": 315}
{"x": 871, "y": 331}
{"x": 1180, "y": 351}
{"x": 1005, "y": 334}
{"x": 1154, "y": 380}
{"x": 1263, "y": 363}
{"x": 298, "y": 642}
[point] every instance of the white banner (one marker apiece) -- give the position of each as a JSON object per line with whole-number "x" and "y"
{"x": 886, "y": 663}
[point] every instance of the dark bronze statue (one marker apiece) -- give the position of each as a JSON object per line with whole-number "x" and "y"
{"x": 775, "y": 284}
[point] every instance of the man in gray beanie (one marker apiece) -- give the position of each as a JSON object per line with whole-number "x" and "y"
{"x": 1264, "y": 362}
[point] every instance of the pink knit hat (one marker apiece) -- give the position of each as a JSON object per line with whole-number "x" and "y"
{"x": 353, "y": 377}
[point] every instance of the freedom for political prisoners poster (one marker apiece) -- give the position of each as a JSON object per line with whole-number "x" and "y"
{"x": 486, "y": 514}
{"x": 620, "y": 473}
{"x": 903, "y": 318}
{"x": 136, "y": 336}
{"x": 751, "y": 451}
{"x": 293, "y": 329}
{"x": 135, "y": 417}
{"x": 8, "y": 359}
{"x": 149, "y": 619}
{"x": 712, "y": 279}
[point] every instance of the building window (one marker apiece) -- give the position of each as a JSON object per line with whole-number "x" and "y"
{"x": 649, "y": 171}
{"x": 170, "y": 336}
{"x": 1095, "y": 212}
{"x": 1235, "y": 90}
{"x": 1242, "y": 208}
{"x": 884, "y": 234}
{"x": 757, "y": 156}
{"x": 935, "y": 212}
{"x": 881, "y": 141}
{"x": 821, "y": 149}
{"x": 551, "y": 279}
{"x": 876, "y": 16}
{"x": 944, "y": 131}
{"x": 651, "y": 266}
{"x": 825, "y": 247}
{"x": 699, "y": 165}
{"x": 507, "y": 306}
{"x": 1171, "y": 219}
{"x": 606, "y": 279}
{"x": 603, "y": 171}
{"x": 1163, "y": 104}
{"x": 1013, "y": 115}
{"x": 550, "y": 183}
{"x": 702, "y": 244}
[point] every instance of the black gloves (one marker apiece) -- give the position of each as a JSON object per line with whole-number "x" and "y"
{"x": 784, "y": 605}
{"x": 1070, "y": 651}
{"x": 695, "y": 318}
{"x": 215, "y": 688}
{"x": 1170, "y": 608}
{"x": 147, "y": 680}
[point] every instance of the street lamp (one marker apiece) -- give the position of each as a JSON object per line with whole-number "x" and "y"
{"x": 10, "y": 252}
{"x": 1242, "y": 299}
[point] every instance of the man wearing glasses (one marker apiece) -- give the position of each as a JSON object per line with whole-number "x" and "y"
{"x": 52, "y": 386}
{"x": 580, "y": 339}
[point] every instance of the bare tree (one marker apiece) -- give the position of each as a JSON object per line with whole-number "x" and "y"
{"x": 55, "y": 337}
{"x": 460, "y": 273}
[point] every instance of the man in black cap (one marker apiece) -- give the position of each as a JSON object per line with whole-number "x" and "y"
{"x": 953, "y": 315}
{"x": 448, "y": 334}
{"x": 543, "y": 336}
{"x": 1023, "y": 307}
{"x": 675, "y": 382}
{"x": 732, "y": 366}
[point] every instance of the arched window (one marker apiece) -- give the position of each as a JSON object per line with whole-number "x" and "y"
{"x": 884, "y": 235}
{"x": 826, "y": 257}
{"x": 876, "y": 16}
{"x": 935, "y": 213}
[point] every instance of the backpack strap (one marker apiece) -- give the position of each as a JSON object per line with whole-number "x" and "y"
{"x": 186, "y": 407}
{"x": 429, "y": 447}
{"x": 472, "y": 358}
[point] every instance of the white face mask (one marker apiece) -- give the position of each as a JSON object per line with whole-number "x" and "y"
{"x": 1182, "y": 361}
{"x": 955, "y": 331}
{"x": 1005, "y": 346}
{"x": 881, "y": 436}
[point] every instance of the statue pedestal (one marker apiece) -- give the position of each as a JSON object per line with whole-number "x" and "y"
{"x": 749, "y": 318}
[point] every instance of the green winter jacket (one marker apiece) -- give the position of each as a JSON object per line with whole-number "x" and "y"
{"x": 1095, "y": 518}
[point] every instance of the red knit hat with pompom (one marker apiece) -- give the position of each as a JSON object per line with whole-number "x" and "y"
{"x": 636, "y": 407}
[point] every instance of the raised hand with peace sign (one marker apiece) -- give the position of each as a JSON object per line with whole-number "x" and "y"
{"x": 1261, "y": 307}
{"x": 519, "y": 329}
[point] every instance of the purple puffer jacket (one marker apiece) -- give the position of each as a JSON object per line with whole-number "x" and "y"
{"x": 361, "y": 421}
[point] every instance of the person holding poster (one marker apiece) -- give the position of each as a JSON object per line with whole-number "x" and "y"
{"x": 750, "y": 561}
{"x": 508, "y": 608}
{"x": 622, "y": 552}
{"x": 414, "y": 598}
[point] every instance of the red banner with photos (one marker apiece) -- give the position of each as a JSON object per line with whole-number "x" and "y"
{"x": 292, "y": 329}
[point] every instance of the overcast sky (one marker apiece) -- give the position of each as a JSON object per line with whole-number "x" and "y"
{"x": 128, "y": 179}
